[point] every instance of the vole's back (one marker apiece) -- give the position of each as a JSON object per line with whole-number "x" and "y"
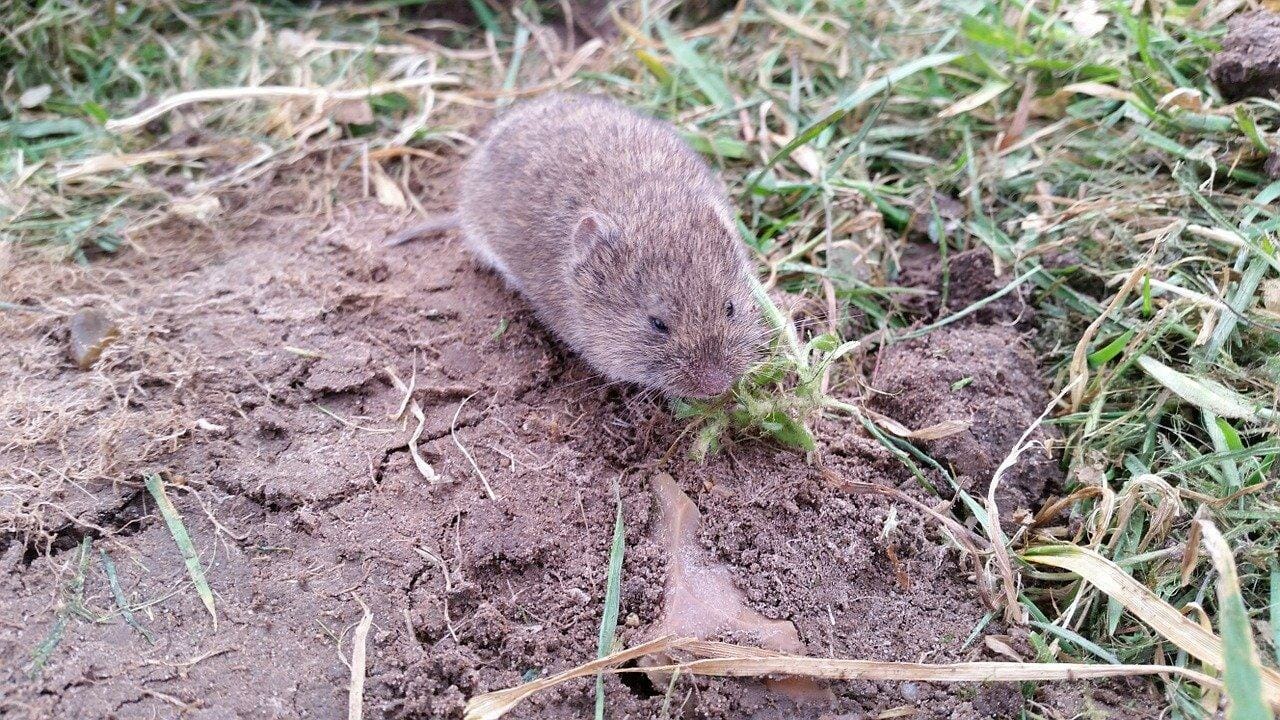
{"x": 620, "y": 237}
{"x": 544, "y": 163}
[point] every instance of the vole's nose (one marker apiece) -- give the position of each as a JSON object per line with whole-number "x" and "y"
{"x": 711, "y": 381}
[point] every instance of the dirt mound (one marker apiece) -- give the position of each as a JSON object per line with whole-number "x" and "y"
{"x": 984, "y": 376}
{"x": 250, "y": 370}
{"x": 1249, "y": 63}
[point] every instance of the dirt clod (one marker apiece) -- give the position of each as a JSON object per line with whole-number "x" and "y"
{"x": 985, "y": 376}
{"x": 1249, "y": 63}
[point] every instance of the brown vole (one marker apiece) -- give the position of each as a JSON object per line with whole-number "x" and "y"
{"x": 620, "y": 237}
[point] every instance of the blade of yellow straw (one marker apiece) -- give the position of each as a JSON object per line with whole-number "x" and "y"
{"x": 728, "y": 660}
{"x": 491, "y": 706}
{"x": 359, "y": 651}
{"x": 834, "y": 669}
{"x": 1146, "y": 606}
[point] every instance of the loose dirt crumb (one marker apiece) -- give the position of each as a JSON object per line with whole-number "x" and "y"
{"x": 1249, "y": 63}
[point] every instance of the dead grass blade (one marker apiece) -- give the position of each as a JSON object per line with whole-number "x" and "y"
{"x": 120, "y": 161}
{"x": 359, "y": 644}
{"x": 424, "y": 467}
{"x": 453, "y": 434}
{"x": 493, "y": 705}
{"x": 1079, "y": 369}
{"x": 728, "y": 660}
{"x": 179, "y": 532}
{"x": 937, "y": 431}
{"x": 1012, "y": 609}
{"x": 1146, "y": 606}
{"x": 271, "y": 92}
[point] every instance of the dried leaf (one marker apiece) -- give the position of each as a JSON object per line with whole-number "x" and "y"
{"x": 351, "y": 112}
{"x": 200, "y": 208}
{"x": 386, "y": 189}
{"x": 1098, "y": 90}
{"x": 1271, "y": 295}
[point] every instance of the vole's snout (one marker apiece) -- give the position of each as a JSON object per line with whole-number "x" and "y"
{"x": 709, "y": 380}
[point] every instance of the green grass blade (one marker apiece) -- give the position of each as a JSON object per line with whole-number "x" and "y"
{"x": 704, "y": 76}
{"x": 486, "y": 17}
{"x": 117, "y": 593}
{"x": 1076, "y": 639}
{"x": 179, "y": 532}
{"x": 612, "y": 595}
{"x": 1275, "y": 608}
{"x": 72, "y": 602}
{"x": 1110, "y": 350}
{"x": 1243, "y": 672}
{"x": 48, "y": 645}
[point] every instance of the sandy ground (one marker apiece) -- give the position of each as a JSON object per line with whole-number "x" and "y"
{"x": 251, "y": 372}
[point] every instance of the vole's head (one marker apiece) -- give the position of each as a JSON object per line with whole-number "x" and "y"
{"x": 665, "y": 301}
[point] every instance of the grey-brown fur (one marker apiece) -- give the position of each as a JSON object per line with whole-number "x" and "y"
{"x": 604, "y": 218}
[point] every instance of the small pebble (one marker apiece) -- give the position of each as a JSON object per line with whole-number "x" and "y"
{"x": 91, "y": 332}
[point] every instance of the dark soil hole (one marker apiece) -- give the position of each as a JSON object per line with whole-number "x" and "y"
{"x": 123, "y": 521}
{"x": 637, "y": 682}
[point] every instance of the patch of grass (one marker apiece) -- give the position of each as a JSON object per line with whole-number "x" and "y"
{"x": 70, "y": 65}
{"x": 1106, "y": 154}
{"x": 70, "y": 603}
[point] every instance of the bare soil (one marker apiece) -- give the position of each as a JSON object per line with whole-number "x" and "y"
{"x": 250, "y": 370}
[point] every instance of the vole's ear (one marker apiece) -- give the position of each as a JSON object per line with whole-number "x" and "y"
{"x": 593, "y": 230}
{"x": 589, "y": 245}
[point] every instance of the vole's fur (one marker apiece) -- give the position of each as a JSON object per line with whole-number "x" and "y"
{"x": 613, "y": 228}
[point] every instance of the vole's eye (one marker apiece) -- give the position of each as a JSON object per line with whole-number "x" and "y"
{"x": 659, "y": 325}
{"x": 728, "y": 308}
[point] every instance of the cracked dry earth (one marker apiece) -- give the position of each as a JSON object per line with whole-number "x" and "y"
{"x": 250, "y": 372}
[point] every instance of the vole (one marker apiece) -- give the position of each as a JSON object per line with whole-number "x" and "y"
{"x": 619, "y": 236}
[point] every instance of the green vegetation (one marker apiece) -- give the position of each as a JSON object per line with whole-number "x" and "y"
{"x": 1086, "y": 151}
